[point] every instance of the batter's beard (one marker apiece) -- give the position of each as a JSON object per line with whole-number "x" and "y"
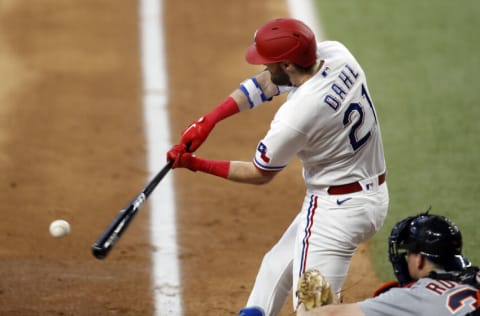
{"x": 280, "y": 78}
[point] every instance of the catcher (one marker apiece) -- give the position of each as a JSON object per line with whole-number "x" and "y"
{"x": 433, "y": 277}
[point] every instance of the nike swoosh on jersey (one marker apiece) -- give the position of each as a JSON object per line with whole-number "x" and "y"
{"x": 340, "y": 202}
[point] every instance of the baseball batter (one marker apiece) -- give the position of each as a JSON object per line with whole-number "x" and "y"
{"x": 425, "y": 252}
{"x": 328, "y": 121}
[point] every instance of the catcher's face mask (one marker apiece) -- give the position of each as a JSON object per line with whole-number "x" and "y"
{"x": 434, "y": 237}
{"x": 395, "y": 254}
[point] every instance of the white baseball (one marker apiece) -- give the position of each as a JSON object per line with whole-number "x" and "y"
{"x": 59, "y": 228}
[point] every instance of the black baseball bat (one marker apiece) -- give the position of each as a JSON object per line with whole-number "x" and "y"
{"x": 110, "y": 236}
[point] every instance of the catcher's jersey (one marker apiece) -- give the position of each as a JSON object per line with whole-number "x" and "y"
{"x": 329, "y": 122}
{"x": 426, "y": 297}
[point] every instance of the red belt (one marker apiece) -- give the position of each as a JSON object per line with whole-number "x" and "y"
{"x": 351, "y": 187}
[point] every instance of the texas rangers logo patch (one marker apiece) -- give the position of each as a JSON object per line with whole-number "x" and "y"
{"x": 262, "y": 149}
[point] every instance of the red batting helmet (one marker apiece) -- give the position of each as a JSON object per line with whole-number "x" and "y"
{"x": 283, "y": 40}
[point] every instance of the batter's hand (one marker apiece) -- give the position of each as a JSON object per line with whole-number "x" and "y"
{"x": 196, "y": 133}
{"x": 181, "y": 158}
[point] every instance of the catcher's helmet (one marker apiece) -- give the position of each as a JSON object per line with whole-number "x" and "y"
{"x": 283, "y": 39}
{"x": 434, "y": 237}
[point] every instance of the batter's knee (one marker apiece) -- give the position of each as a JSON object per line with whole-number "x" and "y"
{"x": 252, "y": 311}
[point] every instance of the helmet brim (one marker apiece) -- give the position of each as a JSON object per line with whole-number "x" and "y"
{"x": 253, "y": 57}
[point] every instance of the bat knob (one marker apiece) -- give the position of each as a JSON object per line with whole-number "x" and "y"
{"x": 100, "y": 252}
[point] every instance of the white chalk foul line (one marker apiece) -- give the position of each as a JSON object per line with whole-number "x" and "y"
{"x": 163, "y": 231}
{"x": 166, "y": 284}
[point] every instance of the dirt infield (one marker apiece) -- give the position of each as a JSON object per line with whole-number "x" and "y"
{"x": 72, "y": 146}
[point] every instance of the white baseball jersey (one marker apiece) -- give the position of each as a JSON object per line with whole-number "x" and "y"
{"x": 329, "y": 122}
{"x": 426, "y": 297}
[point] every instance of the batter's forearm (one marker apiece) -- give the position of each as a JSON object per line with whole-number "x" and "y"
{"x": 237, "y": 171}
{"x": 254, "y": 91}
{"x": 246, "y": 172}
{"x": 241, "y": 99}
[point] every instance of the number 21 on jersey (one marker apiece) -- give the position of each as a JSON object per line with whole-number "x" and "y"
{"x": 360, "y": 118}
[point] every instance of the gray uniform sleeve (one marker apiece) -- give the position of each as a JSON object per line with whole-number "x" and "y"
{"x": 426, "y": 297}
{"x": 398, "y": 302}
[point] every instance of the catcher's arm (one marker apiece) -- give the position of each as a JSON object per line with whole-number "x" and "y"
{"x": 332, "y": 310}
